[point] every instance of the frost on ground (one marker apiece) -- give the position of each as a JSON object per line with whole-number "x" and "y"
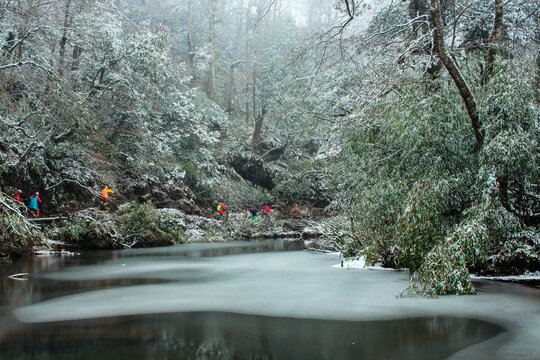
{"x": 197, "y": 227}
{"x": 360, "y": 263}
{"x": 61, "y": 252}
{"x": 527, "y": 276}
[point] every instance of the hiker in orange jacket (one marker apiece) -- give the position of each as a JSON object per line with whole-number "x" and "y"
{"x": 105, "y": 194}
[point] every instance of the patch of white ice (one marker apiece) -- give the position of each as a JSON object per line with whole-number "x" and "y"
{"x": 19, "y": 277}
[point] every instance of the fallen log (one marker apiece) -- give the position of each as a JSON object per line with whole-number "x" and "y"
{"x": 49, "y": 219}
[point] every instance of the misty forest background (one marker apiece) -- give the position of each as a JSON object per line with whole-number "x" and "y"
{"x": 409, "y": 129}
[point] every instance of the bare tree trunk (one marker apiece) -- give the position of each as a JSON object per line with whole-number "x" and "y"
{"x": 247, "y": 29}
{"x": 248, "y": 17}
{"x": 455, "y": 73}
{"x": 417, "y": 8}
{"x": 256, "y": 140}
{"x": 77, "y": 51}
{"x": 17, "y": 58}
{"x": 538, "y": 54}
{"x": 63, "y": 40}
{"x": 18, "y": 51}
{"x": 212, "y": 40}
{"x": 253, "y": 93}
{"x": 230, "y": 90}
{"x": 190, "y": 43}
{"x": 312, "y": 15}
{"x": 240, "y": 24}
{"x": 53, "y": 48}
{"x": 493, "y": 41}
{"x": 78, "y": 7}
{"x": 230, "y": 93}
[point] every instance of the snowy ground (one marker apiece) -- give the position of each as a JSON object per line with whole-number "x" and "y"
{"x": 292, "y": 284}
{"x": 360, "y": 263}
{"x": 528, "y": 276}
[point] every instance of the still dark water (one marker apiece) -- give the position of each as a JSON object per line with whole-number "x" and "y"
{"x": 234, "y": 336}
{"x": 203, "y": 334}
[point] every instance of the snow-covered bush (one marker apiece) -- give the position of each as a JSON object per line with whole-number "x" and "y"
{"x": 443, "y": 271}
{"x": 423, "y": 224}
{"x": 17, "y": 235}
{"x": 143, "y": 225}
{"x": 132, "y": 226}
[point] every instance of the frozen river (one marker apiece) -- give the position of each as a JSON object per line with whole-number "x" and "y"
{"x": 249, "y": 301}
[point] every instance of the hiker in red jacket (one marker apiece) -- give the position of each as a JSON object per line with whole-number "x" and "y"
{"x": 265, "y": 210}
{"x": 221, "y": 208}
{"x": 17, "y": 197}
{"x": 296, "y": 212}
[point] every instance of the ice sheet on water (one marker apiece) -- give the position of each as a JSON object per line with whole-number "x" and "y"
{"x": 286, "y": 284}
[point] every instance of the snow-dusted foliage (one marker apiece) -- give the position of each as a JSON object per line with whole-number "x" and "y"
{"x": 423, "y": 223}
{"x": 519, "y": 25}
{"x": 443, "y": 271}
{"x": 421, "y": 193}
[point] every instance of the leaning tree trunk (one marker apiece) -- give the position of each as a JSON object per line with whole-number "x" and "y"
{"x": 453, "y": 69}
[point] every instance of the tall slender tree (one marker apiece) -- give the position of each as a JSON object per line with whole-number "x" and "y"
{"x": 494, "y": 39}
{"x": 63, "y": 40}
{"x": 211, "y": 87}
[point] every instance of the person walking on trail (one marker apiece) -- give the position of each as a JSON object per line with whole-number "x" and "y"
{"x": 295, "y": 213}
{"x": 221, "y": 208}
{"x": 33, "y": 202}
{"x": 17, "y": 197}
{"x": 253, "y": 211}
{"x": 105, "y": 194}
{"x": 266, "y": 210}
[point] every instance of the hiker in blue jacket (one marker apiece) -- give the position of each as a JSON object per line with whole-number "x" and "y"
{"x": 33, "y": 202}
